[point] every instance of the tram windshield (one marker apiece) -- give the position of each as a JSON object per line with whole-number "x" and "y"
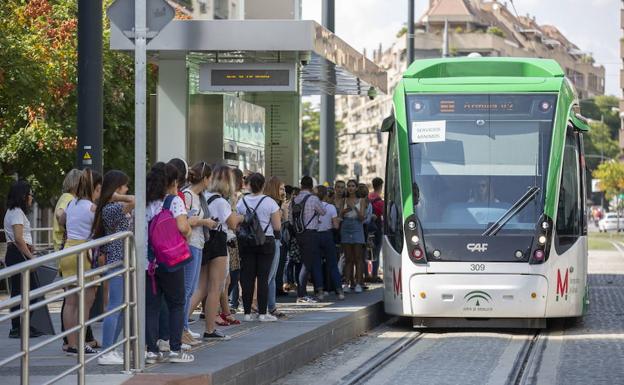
{"x": 474, "y": 156}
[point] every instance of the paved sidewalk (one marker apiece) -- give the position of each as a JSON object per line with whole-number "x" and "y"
{"x": 257, "y": 353}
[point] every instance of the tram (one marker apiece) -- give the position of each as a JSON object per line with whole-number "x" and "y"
{"x": 485, "y": 184}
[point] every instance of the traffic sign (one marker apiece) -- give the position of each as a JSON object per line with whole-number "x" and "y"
{"x": 159, "y": 14}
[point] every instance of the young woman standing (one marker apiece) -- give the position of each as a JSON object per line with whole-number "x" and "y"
{"x": 214, "y": 258}
{"x": 78, "y": 218}
{"x": 353, "y": 214}
{"x": 199, "y": 178}
{"x": 162, "y": 184}
{"x": 275, "y": 190}
{"x": 112, "y": 217}
{"x": 19, "y": 244}
{"x": 328, "y": 223}
{"x": 256, "y": 260}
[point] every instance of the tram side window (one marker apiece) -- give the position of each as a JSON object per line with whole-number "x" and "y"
{"x": 569, "y": 221}
{"x": 393, "y": 216}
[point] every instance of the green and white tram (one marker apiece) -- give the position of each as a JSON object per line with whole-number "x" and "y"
{"x": 485, "y": 187}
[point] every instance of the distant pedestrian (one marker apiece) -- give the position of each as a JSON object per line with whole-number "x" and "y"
{"x": 19, "y": 245}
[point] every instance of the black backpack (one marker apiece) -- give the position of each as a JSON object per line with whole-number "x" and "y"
{"x": 297, "y": 211}
{"x": 251, "y": 232}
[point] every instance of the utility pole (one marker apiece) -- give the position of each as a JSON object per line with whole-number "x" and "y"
{"x": 327, "y": 140}
{"x": 410, "y": 32}
{"x": 90, "y": 117}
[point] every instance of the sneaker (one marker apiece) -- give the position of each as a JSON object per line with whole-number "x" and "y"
{"x": 276, "y": 313}
{"x": 191, "y": 321}
{"x": 14, "y": 333}
{"x": 249, "y": 318}
{"x": 163, "y": 345}
{"x": 188, "y": 339}
{"x": 88, "y": 350}
{"x": 358, "y": 288}
{"x": 152, "y": 358}
{"x": 185, "y": 347}
{"x": 180, "y": 357}
{"x": 194, "y": 335}
{"x": 306, "y": 300}
{"x": 346, "y": 289}
{"x": 267, "y": 318}
{"x": 110, "y": 358}
{"x": 216, "y": 335}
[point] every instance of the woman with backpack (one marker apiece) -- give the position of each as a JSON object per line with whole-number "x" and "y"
{"x": 214, "y": 256}
{"x": 328, "y": 223}
{"x": 78, "y": 219}
{"x": 163, "y": 279}
{"x": 112, "y": 217}
{"x": 256, "y": 241}
{"x": 199, "y": 177}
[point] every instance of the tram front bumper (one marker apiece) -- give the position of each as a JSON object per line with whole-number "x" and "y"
{"x": 478, "y": 295}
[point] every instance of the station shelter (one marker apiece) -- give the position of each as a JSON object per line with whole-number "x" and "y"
{"x": 230, "y": 90}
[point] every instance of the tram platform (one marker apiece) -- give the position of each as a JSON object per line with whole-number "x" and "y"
{"x": 257, "y": 353}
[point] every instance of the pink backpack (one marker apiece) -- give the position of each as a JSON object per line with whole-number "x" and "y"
{"x": 168, "y": 245}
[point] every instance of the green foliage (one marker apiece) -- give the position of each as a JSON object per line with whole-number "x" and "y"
{"x": 38, "y": 106}
{"x": 459, "y": 29}
{"x": 495, "y": 31}
{"x": 599, "y": 144}
{"x": 402, "y": 31}
{"x": 611, "y": 175}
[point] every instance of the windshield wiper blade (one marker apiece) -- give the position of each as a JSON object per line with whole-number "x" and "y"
{"x": 513, "y": 210}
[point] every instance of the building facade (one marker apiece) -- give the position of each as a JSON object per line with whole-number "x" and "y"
{"x": 489, "y": 28}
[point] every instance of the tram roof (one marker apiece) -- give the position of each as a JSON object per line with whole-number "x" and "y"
{"x": 509, "y": 67}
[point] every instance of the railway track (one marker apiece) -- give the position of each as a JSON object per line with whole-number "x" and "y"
{"x": 518, "y": 373}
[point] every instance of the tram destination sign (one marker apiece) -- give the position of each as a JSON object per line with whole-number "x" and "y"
{"x": 247, "y": 77}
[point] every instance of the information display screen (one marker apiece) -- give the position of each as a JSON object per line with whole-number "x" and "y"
{"x": 246, "y": 77}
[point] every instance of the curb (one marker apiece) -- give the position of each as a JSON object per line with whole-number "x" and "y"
{"x": 280, "y": 359}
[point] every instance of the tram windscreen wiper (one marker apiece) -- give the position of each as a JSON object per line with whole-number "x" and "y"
{"x": 513, "y": 210}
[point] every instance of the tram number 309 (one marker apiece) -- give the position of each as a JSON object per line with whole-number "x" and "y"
{"x": 477, "y": 267}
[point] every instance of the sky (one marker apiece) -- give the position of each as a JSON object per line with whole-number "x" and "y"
{"x": 593, "y": 25}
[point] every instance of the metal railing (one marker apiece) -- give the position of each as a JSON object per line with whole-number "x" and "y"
{"x": 76, "y": 285}
{"x": 39, "y": 234}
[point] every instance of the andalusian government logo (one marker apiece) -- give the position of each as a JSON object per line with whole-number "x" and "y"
{"x": 478, "y": 300}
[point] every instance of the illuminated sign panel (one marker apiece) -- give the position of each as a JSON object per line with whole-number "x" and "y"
{"x": 247, "y": 77}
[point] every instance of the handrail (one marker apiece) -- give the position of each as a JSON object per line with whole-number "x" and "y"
{"x": 126, "y": 268}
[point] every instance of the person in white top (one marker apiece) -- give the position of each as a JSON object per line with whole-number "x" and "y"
{"x": 168, "y": 283}
{"x": 199, "y": 177}
{"x": 215, "y": 259}
{"x": 19, "y": 244}
{"x": 256, "y": 260}
{"x": 78, "y": 219}
{"x": 327, "y": 224}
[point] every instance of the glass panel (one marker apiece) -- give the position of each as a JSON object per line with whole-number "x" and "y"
{"x": 474, "y": 156}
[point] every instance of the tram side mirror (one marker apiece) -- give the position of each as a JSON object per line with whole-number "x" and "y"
{"x": 388, "y": 124}
{"x": 578, "y": 121}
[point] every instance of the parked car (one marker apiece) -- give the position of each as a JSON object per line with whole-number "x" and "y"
{"x": 610, "y": 223}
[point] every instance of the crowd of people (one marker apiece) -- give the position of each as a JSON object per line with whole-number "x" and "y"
{"x": 216, "y": 239}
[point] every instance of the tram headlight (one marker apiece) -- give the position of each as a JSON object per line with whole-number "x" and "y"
{"x": 411, "y": 225}
{"x": 539, "y": 255}
{"x": 545, "y": 225}
{"x": 418, "y": 254}
{"x": 415, "y": 239}
{"x": 542, "y": 239}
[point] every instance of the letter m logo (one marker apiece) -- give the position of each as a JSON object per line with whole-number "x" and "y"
{"x": 396, "y": 283}
{"x": 562, "y": 285}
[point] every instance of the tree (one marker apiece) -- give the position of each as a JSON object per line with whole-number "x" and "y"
{"x": 600, "y": 145}
{"x": 310, "y": 139}
{"x": 611, "y": 175}
{"x": 38, "y": 78}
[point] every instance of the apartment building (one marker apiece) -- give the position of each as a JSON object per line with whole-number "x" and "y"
{"x": 489, "y": 28}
